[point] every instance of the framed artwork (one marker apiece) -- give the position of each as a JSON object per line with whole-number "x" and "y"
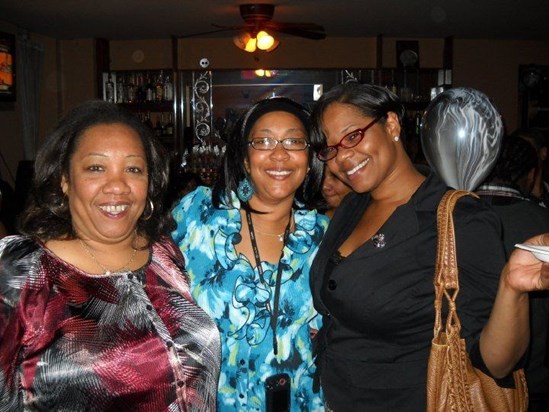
{"x": 7, "y": 67}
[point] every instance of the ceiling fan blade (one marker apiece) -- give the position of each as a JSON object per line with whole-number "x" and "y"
{"x": 304, "y": 26}
{"x": 219, "y": 29}
{"x": 230, "y": 27}
{"x": 299, "y": 32}
{"x": 307, "y": 30}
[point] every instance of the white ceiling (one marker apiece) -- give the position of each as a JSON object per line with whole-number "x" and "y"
{"x": 152, "y": 19}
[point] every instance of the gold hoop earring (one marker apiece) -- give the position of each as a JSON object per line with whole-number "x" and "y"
{"x": 151, "y": 206}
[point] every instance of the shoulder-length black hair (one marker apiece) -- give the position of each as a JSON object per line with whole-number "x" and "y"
{"x": 47, "y": 215}
{"x": 232, "y": 169}
{"x": 370, "y": 100}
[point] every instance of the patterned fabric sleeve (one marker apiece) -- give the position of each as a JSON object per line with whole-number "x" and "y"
{"x": 17, "y": 256}
{"x": 184, "y": 221}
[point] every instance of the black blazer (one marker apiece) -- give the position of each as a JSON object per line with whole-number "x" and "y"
{"x": 377, "y": 302}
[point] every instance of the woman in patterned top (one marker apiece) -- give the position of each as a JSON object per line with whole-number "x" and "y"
{"x": 95, "y": 308}
{"x": 248, "y": 246}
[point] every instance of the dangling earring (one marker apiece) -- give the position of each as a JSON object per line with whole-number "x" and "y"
{"x": 151, "y": 206}
{"x": 396, "y": 138}
{"x": 245, "y": 189}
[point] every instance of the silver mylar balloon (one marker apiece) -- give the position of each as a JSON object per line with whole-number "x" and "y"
{"x": 461, "y": 132}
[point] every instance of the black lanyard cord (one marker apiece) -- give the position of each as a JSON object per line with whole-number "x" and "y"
{"x": 278, "y": 281}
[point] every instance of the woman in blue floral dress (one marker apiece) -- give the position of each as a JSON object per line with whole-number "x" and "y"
{"x": 248, "y": 247}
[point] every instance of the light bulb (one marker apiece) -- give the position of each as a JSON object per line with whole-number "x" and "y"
{"x": 264, "y": 40}
{"x": 245, "y": 42}
{"x": 250, "y": 45}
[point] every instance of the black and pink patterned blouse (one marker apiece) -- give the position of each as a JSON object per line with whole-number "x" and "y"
{"x": 128, "y": 341}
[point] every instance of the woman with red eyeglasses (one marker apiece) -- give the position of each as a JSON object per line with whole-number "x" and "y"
{"x": 372, "y": 278}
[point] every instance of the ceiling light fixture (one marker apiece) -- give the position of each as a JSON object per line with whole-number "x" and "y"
{"x": 251, "y": 42}
{"x": 265, "y": 73}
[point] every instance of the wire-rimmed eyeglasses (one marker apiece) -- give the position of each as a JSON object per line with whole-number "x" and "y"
{"x": 348, "y": 141}
{"x": 291, "y": 144}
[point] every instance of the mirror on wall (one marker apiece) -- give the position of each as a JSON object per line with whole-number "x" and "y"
{"x": 213, "y": 100}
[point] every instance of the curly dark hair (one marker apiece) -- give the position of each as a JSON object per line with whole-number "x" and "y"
{"x": 370, "y": 100}
{"x": 308, "y": 195}
{"x": 47, "y": 215}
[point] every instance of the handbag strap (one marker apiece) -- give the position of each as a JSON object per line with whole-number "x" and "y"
{"x": 446, "y": 280}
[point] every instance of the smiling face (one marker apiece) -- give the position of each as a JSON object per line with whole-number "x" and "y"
{"x": 333, "y": 189}
{"x": 107, "y": 183}
{"x": 369, "y": 164}
{"x": 277, "y": 174}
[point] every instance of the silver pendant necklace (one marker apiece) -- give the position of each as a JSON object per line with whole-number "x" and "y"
{"x": 280, "y": 236}
{"x": 105, "y": 270}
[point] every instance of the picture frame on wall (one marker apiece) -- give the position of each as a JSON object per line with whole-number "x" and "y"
{"x": 7, "y": 67}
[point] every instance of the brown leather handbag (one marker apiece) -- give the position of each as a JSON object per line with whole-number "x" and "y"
{"x": 453, "y": 384}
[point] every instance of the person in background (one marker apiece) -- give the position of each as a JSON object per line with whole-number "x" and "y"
{"x": 508, "y": 190}
{"x": 249, "y": 244}
{"x": 333, "y": 191}
{"x": 540, "y": 190}
{"x": 95, "y": 308}
{"x": 372, "y": 278}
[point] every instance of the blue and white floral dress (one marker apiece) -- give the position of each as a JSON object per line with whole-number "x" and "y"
{"x": 228, "y": 287}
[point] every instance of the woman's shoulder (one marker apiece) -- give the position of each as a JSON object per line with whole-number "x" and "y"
{"x": 165, "y": 246}
{"x": 200, "y": 195}
{"x": 471, "y": 206}
{"x": 311, "y": 226}
{"x": 311, "y": 218}
{"x": 198, "y": 219}
{"x": 18, "y": 257}
{"x": 16, "y": 246}
{"x": 202, "y": 199}
{"x": 193, "y": 204}
{"x": 165, "y": 254}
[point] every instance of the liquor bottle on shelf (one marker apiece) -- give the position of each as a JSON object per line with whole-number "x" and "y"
{"x": 406, "y": 92}
{"x": 169, "y": 125}
{"x": 444, "y": 79}
{"x": 159, "y": 87}
{"x": 131, "y": 89}
{"x": 120, "y": 98}
{"x": 109, "y": 89}
{"x": 393, "y": 86}
{"x": 141, "y": 93}
{"x": 418, "y": 123}
{"x": 168, "y": 89}
{"x": 159, "y": 127}
{"x": 148, "y": 120}
{"x": 149, "y": 90}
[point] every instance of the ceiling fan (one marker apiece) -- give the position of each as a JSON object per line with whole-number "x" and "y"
{"x": 258, "y": 20}
{"x": 259, "y": 17}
